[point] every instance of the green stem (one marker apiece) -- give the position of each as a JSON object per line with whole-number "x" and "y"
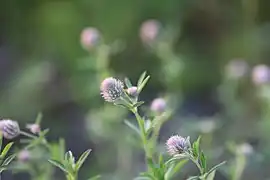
{"x": 143, "y": 134}
{"x": 28, "y": 135}
{"x": 195, "y": 161}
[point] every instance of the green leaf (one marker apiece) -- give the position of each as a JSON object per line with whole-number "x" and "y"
{"x": 211, "y": 176}
{"x": 8, "y": 160}
{"x": 196, "y": 147}
{"x": 132, "y": 126}
{"x": 5, "y": 150}
{"x": 38, "y": 118}
{"x": 147, "y": 175}
{"x": 174, "y": 168}
{"x": 59, "y": 165}
{"x": 137, "y": 104}
{"x": 203, "y": 161}
{"x": 128, "y": 83}
{"x": 215, "y": 168}
{"x": 176, "y": 158}
{"x": 141, "y": 86}
{"x": 82, "y": 159}
{"x": 193, "y": 178}
{"x": 141, "y": 78}
{"x": 95, "y": 177}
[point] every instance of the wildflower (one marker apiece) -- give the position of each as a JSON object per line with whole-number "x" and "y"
{"x": 236, "y": 69}
{"x": 89, "y": 37}
{"x": 177, "y": 145}
{"x": 132, "y": 91}
{"x": 111, "y": 89}
{"x": 158, "y": 105}
{"x": 149, "y": 31}
{"x": 261, "y": 74}
{"x": 9, "y": 128}
{"x": 34, "y": 128}
{"x": 24, "y": 156}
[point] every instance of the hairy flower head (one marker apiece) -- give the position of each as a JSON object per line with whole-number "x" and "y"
{"x": 149, "y": 31}
{"x": 261, "y": 74}
{"x": 24, "y": 156}
{"x": 177, "y": 145}
{"x": 9, "y": 128}
{"x": 133, "y": 91}
{"x": 34, "y": 128}
{"x": 111, "y": 89}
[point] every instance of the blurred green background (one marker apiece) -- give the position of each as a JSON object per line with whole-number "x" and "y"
{"x": 44, "y": 68}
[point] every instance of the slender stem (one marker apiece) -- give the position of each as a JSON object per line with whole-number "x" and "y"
{"x": 140, "y": 121}
{"x": 195, "y": 161}
{"x": 28, "y": 135}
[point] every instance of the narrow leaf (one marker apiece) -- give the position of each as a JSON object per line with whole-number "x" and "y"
{"x": 128, "y": 83}
{"x": 141, "y": 86}
{"x": 8, "y": 160}
{"x": 59, "y": 165}
{"x": 174, "y": 168}
{"x": 82, "y": 159}
{"x": 137, "y": 104}
{"x": 1, "y": 140}
{"x": 215, "y": 167}
{"x": 132, "y": 126}
{"x": 193, "y": 178}
{"x": 211, "y": 176}
{"x": 141, "y": 78}
{"x": 203, "y": 161}
{"x": 5, "y": 150}
{"x": 95, "y": 177}
{"x": 196, "y": 147}
{"x": 38, "y": 118}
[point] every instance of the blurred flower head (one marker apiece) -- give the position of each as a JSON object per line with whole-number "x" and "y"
{"x": 158, "y": 105}
{"x": 261, "y": 74}
{"x": 34, "y": 128}
{"x": 132, "y": 91}
{"x": 177, "y": 145}
{"x": 9, "y": 128}
{"x": 245, "y": 149}
{"x": 237, "y": 68}
{"x": 149, "y": 31}
{"x": 89, "y": 37}
{"x": 24, "y": 156}
{"x": 111, "y": 89}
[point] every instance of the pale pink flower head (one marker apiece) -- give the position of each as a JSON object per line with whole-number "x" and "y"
{"x": 245, "y": 149}
{"x": 237, "y": 68}
{"x": 261, "y": 74}
{"x": 24, "y": 155}
{"x": 158, "y": 105}
{"x": 111, "y": 89}
{"x": 34, "y": 128}
{"x": 177, "y": 145}
{"x": 89, "y": 37}
{"x": 149, "y": 31}
{"x": 133, "y": 91}
{"x": 9, "y": 128}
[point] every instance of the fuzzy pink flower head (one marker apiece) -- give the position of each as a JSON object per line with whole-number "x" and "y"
{"x": 261, "y": 74}
{"x": 9, "y": 128}
{"x": 177, "y": 145}
{"x": 24, "y": 156}
{"x": 237, "y": 68}
{"x": 158, "y": 105}
{"x": 34, "y": 128}
{"x": 149, "y": 31}
{"x": 133, "y": 91}
{"x": 89, "y": 37}
{"x": 111, "y": 89}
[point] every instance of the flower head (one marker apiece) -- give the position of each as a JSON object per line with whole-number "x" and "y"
{"x": 34, "y": 128}
{"x": 24, "y": 156}
{"x": 177, "y": 145}
{"x": 89, "y": 37}
{"x": 111, "y": 89}
{"x": 261, "y": 74}
{"x": 245, "y": 149}
{"x": 133, "y": 91}
{"x": 158, "y": 105}
{"x": 149, "y": 31}
{"x": 9, "y": 128}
